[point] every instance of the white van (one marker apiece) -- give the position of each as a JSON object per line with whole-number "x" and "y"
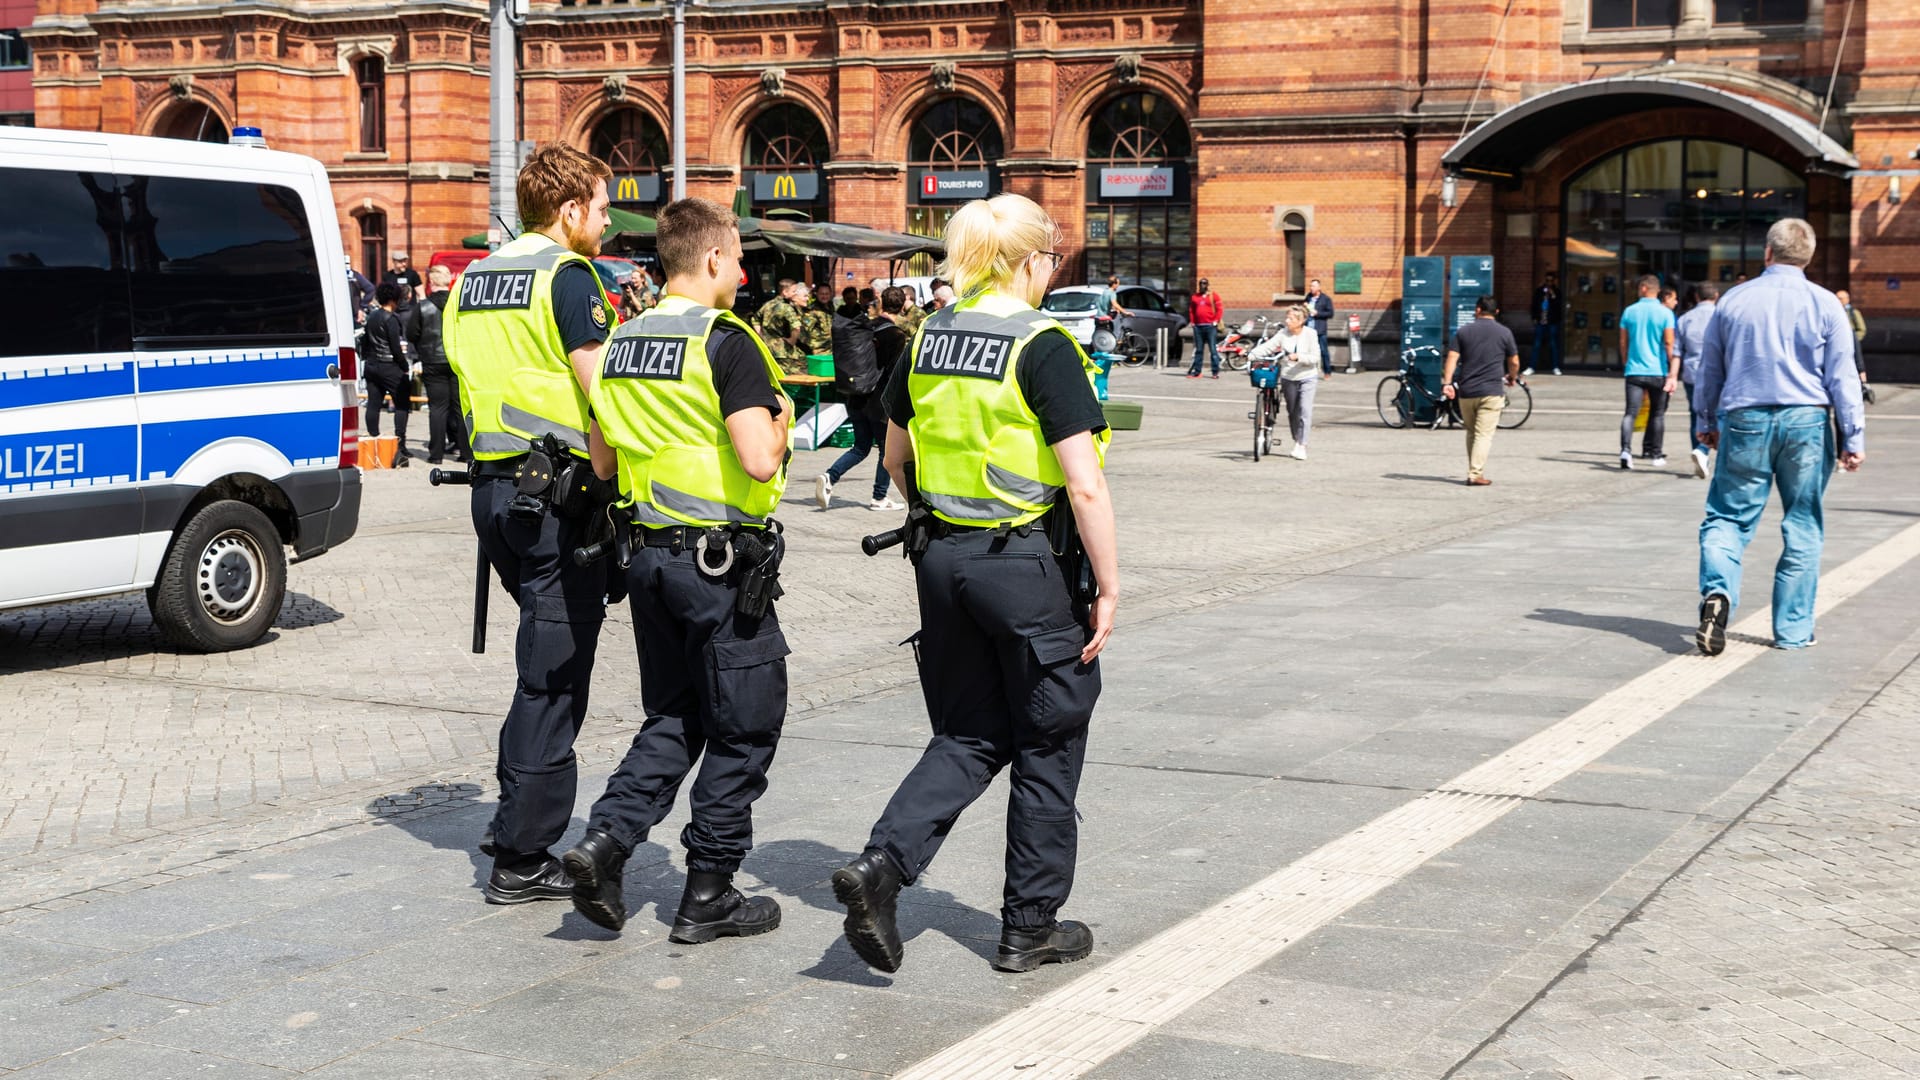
{"x": 176, "y": 377}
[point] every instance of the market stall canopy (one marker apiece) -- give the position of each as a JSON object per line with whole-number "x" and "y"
{"x": 635, "y": 232}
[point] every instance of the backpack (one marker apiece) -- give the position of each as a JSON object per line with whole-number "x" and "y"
{"x": 856, "y": 370}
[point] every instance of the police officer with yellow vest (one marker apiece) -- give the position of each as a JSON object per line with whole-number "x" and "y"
{"x": 694, "y": 423}
{"x": 524, "y": 333}
{"x": 996, "y": 417}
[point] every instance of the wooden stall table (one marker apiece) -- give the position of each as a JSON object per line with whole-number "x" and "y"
{"x": 801, "y": 382}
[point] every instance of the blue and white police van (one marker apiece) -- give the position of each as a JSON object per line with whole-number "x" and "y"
{"x": 177, "y": 404}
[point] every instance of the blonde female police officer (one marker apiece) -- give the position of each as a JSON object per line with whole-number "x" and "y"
{"x": 693, "y": 420}
{"x": 997, "y": 414}
{"x": 524, "y": 334}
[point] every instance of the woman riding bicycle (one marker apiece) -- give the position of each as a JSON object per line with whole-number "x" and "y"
{"x": 1297, "y": 350}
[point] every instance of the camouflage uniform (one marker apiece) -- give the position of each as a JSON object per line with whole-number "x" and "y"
{"x": 775, "y": 322}
{"x": 816, "y": 329}
{"x": 910, "y": 318}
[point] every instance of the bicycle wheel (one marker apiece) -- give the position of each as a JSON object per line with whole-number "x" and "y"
{"x": 1134, "y": 349}
{"x": 1391, "y": 398}
{"x": 1236, "y": 360}
{"x": 1259, "y": 424}
{"x": 1519, "y": 406}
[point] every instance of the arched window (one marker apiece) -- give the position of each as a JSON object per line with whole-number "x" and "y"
{"x": 954, "y": 144}
{"x": 1684, "y": 210}
{"x": 192, "y": 121}
{"x": 1293, "y": 227}
{"x": 371, "y": 73}
{"x": 786, "y": 145}
{"x": 1139, "y": 200}
{"x": 631, "y": 143}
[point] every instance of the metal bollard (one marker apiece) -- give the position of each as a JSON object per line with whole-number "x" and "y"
{"x": 1161, "y": 353}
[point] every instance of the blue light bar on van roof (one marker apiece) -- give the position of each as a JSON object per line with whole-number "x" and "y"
{"x": 247, "y": 136}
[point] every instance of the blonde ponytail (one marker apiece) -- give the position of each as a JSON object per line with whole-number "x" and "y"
{"x": 988, "y": 239}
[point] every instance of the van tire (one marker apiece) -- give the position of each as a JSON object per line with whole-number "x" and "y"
{"x": 223, "y": 580}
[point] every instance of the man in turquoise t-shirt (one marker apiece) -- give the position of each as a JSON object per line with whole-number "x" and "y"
{"x": 1653, "y": 370}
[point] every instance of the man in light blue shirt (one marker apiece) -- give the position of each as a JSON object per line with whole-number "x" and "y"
{"x": 1653, "y": 372}
{"x": 1690, "y": 331}
{"x": 1775, "y": 389}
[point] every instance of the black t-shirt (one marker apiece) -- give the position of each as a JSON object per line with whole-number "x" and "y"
{"x": 579, "y": 307}
{"x": 739, "y": 373}
{"x": 1483, "y": 345}
{"x": 1051, "y": 379}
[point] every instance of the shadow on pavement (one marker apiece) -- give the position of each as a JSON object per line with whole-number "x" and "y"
{"x": 802, "y": 868}
{"x": 113, "y": 628}
{"x": 1454, "y": 480}
{"x": 1669, "y": 638}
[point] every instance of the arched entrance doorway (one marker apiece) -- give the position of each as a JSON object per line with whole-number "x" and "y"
{"x": 1686, "y": 210}
{"x": 629, "y": 141}
{"x": 1139, "y": 198}
{"x": 193, "y": 121}
{"x": 954, "y": 151}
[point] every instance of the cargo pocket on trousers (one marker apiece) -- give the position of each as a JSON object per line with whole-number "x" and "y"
{"x": 1063, "y": 689}
{"x": 747, "y": 685}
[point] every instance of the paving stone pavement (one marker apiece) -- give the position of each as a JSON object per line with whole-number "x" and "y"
{"x": 259, "y": 863}
{"x": 1791, "y": 947}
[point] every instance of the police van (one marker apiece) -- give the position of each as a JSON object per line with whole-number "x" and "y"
{"x": 177, "y": 404}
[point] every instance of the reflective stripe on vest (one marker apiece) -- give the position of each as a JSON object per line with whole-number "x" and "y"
{"x": 980, "y": 456}
{"x": 660, "y": 411}
{"x": 516, "y": 380}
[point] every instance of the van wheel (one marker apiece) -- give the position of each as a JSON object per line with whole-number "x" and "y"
{"x": 223, "y": 580}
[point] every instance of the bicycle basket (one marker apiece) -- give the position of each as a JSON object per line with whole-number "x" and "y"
{"x": 1264, "y": 376}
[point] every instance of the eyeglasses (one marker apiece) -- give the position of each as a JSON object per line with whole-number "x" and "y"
{"x": 1055, "y": 256}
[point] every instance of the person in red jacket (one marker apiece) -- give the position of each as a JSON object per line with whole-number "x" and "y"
{"x": 1204, "y": 311}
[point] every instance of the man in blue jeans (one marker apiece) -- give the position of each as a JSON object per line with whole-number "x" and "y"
{"x": 1776, "y": 387}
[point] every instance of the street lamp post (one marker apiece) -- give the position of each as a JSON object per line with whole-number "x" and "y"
{"x": 503, "y": 156}
{"x": 679, "y": 98}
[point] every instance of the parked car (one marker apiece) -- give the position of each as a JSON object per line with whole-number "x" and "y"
{"x": 621, "y": 269}
{"x": 1073, "y": 306}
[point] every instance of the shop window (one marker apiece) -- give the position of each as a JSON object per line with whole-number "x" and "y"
{"x": 1140, "y": 206}
{"x": 781, "y": 169}
{"x": 1631, "y": 14}
{"x": 13, "y": 50}
{"x": 1759, "y": 11}
{"x": 635, "y": 148}
{"x": 372, "y": 74}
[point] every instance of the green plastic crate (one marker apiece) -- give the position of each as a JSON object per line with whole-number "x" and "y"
{"x": 819, "y": 364}
{"x": 1122, "y": 415}
{"x": 842, "y": 437}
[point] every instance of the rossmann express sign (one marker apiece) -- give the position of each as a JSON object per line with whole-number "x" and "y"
{"x": 1137, "y": 182}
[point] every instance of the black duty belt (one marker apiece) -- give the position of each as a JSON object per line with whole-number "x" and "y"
{"x": 502, "y": 467}
{"x": 681, "y": 537}
{"x": 943, "y": 528}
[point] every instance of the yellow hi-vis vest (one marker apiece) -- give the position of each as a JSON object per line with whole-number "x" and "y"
{"x": 979, "y": 456}
{"x": 516, "y": 381}
{"x": 659, "y": 410}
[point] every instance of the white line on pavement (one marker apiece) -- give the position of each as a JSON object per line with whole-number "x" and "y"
{"x": 1083, "y": 1023}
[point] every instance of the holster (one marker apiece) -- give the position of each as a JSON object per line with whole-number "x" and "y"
{"x": 1063, "y": 538}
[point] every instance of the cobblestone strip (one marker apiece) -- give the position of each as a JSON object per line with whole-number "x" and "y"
{"x": 152, "y": 854}
{"x": 1787, "y": 942}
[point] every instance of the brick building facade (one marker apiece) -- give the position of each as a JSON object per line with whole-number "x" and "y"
{"x": 1252, "y": 142}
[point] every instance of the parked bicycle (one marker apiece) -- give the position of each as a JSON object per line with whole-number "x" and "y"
{"x": 1234, "y": 350}
{"x": 1405, "y": 397}
{"x": 1265, "y": 377}
{"x": 1132, "y": 349}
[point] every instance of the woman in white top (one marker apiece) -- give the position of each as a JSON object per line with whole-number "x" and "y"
{"x": 1298, "y": 350}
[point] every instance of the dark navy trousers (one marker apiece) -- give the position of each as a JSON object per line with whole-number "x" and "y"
{"x": 561, "y": 608}
{"x": 999, "y": 654}
{"x": 714, "y": 686}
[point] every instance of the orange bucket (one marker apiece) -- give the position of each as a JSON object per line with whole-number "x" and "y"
{"x": 377, "y": 452}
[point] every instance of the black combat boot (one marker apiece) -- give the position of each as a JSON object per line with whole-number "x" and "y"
{"x": 711, "y": 907}
{"x": 596, "y": 865}
{"x": 868, "y": 886}
{"x": 519, "y": 879}
{"x": 1061, "y": 943}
